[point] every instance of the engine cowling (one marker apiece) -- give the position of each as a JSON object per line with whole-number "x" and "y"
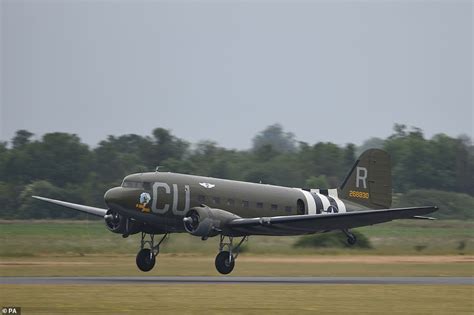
{"x": 207, "y": 222}
{"x": 117, "y": 223}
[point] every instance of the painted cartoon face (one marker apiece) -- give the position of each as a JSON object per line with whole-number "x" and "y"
{"x": 145, "y": 198}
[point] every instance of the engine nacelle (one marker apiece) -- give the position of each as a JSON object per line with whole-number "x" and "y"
{"x": 117, "y": 223}
{"x": 206, "y": 222}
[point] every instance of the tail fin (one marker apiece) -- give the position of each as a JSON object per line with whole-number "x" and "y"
{"x": 369, "y": 182}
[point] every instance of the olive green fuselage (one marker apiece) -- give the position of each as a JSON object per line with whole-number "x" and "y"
{"x": 163, "y": 199}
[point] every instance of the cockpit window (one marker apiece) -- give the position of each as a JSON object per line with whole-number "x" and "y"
{"x": 132, "y": 184}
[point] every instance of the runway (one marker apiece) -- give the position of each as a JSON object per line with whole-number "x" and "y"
{"x": 239, "y": 280}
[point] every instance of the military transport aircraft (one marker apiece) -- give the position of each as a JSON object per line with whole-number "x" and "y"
{"x": 160, "y": 203}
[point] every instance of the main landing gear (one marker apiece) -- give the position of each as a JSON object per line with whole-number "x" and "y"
{"x": 351, "y": 238}
{"x": 146, "y": 257}
{"x": 225, "y": 259}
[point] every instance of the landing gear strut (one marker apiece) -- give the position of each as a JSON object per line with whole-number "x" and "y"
{"x": 225, "y": 259}
{"x": 146, "y": 257}
{"x": 351, "y": 238}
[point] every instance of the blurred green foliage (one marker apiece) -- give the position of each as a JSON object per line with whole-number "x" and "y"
{"x": 60, "y": 166}
{"x": 451, "y": 205}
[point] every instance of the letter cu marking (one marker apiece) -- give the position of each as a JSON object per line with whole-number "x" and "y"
{"x": 175, "y": 199}
{"x": 166, "y": 207}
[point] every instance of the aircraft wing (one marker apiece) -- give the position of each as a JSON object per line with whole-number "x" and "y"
{"x": 311, "y": 223}
{"x": 92, "y": 210}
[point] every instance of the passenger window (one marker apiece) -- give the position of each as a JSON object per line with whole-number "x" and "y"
{"x": 245, "y": 204}
{"x": 201, "y": 198}
{"x": 288, "y": 209}
{"x": 230, "y": 202}
{"x": 274, "y": 207}
{"x": 216, "y": 200}
{"x": 259, "y": 205}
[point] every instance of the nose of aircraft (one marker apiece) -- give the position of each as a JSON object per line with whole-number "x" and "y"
{"x": 112, "y": 195}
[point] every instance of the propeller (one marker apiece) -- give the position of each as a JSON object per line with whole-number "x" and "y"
{"x": 191, "y": 222}
{"x": 112, "y": 219}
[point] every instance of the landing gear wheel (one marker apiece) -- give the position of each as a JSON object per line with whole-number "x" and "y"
{"x": 145, "y": 260}
{"x": 351, "y": 240}
{"x": 223, "y": 265}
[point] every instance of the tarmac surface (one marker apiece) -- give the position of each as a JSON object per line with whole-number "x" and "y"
{"x": 239, "y": 280}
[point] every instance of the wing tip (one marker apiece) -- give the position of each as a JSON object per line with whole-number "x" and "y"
{"x": 421, "y": 217}
{"x": 41, "y": 198}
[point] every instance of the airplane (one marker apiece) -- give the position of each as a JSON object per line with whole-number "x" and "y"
{"x": 161, "y": 203}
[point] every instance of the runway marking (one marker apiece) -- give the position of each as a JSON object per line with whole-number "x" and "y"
{"x": 239, "y": 280}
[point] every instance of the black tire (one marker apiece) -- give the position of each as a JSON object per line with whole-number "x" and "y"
{"x": 145, "y": 260}
{"x": 223, "y": 265}
{"x": 351, "y": 240}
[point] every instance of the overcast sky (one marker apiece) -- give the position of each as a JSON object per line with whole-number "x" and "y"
{"x": 327, "y": 71}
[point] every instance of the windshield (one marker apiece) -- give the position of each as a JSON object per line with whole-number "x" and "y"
{"x": 132, "y": 184}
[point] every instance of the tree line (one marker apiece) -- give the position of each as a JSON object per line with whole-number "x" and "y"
{"x": 60, "y": 166}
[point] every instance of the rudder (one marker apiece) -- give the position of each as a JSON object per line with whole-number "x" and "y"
{"x": 369, "y": 183}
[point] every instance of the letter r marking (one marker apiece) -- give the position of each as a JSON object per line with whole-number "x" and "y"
{"x": 361, "y": 175}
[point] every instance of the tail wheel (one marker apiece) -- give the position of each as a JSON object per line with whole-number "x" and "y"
{"x": 225, "y": 262}
{"x": 351, "y": 240}
{"x": 145, "y": 259}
